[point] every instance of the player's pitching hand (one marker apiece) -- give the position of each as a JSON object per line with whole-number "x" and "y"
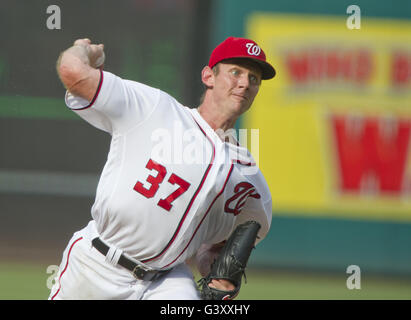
{"x": 95, "y": 52}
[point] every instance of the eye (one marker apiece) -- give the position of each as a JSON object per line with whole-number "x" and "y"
{"x": 254, "y": 79}
{"x": 235, "y": 72}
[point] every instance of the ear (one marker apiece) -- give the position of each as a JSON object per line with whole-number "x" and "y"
{"x": 207, "y": 77}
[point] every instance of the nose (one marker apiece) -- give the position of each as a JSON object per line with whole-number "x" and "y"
{"x": 244, "y": 81}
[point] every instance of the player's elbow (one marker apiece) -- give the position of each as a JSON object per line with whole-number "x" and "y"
{"x": 78, "y": 78}
{"x": 69, "y": 74}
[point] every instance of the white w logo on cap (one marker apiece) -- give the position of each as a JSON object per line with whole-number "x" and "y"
{"x": 253, "y": 49}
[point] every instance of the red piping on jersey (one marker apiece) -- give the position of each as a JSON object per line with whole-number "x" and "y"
{"x": 249, "y": 164}
{"x": 65, "y": 268}
{"x": 96, "y": 94}
{"x": 208, "y": 210}
{"x": 191, "y": 201}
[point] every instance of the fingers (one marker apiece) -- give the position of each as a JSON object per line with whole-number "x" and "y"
{"x": 94, "y": 52}
{"x": 221, "y": 284}
{"x": 82, "y": 42}
{"x": 86, "y": 42}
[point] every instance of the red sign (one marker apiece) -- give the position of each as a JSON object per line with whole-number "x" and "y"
{"x": 321, "y": 64}
{"x": 372, "y": 153}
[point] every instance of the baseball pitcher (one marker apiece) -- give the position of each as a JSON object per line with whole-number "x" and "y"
{"x": 176, "y": 185}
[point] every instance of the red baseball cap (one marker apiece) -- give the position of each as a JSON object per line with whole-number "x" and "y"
{"x": 233, "y": 47}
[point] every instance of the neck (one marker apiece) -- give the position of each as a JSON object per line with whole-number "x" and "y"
{"x": 215, "y": 118}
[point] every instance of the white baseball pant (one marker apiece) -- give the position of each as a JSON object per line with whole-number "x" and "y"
{"x": 84, "y": 274}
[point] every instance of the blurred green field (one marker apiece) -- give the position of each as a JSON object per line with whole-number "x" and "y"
{"x": 314, "y": 286}
{"x": 28, "y": 282}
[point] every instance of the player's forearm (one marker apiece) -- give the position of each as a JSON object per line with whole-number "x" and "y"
{"x": 72, "y": 66}
{"x": 78, "y": 67}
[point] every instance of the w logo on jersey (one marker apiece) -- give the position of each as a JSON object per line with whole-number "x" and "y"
{"x": 242, "y": 191}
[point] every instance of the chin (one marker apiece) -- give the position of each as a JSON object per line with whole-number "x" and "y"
{"x": 237, "y": 109}
{"x": 240, "y": 106}
{"x": 244, "y": 108}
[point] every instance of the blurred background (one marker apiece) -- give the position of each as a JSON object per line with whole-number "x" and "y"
{"x": 334, "y": 133}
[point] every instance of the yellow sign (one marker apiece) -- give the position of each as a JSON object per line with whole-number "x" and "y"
{"x": 335, "y": 123}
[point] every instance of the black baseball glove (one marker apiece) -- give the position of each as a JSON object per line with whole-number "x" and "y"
{"x": 231, "y": 262}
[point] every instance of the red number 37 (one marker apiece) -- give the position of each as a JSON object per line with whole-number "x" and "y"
{"x": 155, "y": 182}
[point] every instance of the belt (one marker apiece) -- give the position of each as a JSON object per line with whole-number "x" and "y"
{"x": 140, "y": 272}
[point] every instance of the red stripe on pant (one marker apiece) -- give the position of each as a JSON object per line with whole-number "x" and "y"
{"x": 65, "y": 268}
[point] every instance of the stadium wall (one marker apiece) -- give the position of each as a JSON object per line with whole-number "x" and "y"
{"x": 321, "y": 219}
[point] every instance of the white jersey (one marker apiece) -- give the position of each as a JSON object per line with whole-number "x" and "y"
{"x": 170, "y": 183}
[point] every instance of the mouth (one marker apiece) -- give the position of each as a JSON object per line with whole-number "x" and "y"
{"x": 240, "y": 96}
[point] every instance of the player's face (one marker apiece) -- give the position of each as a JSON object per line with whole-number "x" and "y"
{"x": 236, "y": 84}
